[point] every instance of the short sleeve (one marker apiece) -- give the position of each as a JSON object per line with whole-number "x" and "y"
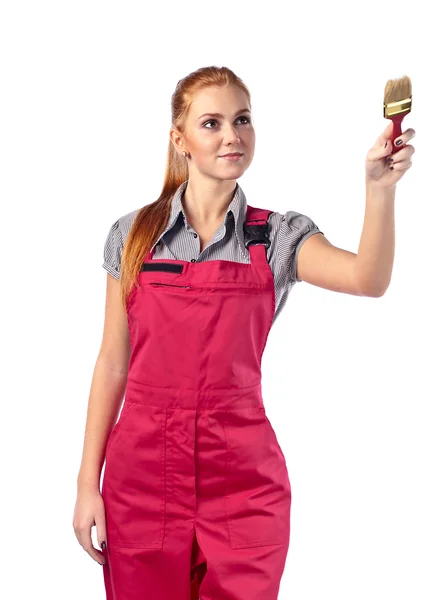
{"x": 296, "y": 228}
{"x": 113, "y": 251}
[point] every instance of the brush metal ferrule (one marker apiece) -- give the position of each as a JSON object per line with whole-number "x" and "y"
{"x": 397, "y": 108}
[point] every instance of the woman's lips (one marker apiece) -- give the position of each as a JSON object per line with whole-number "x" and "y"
{"x": 233, "y": 157}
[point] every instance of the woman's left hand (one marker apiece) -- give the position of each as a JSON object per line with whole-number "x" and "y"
{"x": 378, "y": 171}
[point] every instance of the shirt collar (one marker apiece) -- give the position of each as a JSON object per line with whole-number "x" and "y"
{"x": 238, "y": 207}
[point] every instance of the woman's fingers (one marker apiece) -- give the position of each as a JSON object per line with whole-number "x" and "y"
{"x": 100, "y": 529}
{"x": 403, "y": 154}
{"x": 89, "y": 512}
{"x": 386, "y": 136}
{"x": 86, "y": 543}
{"x": 83, "y": 534}
{"x": 405, "y": 136}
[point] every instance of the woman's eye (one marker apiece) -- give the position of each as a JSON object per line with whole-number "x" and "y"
{"x": 214, "y": 121}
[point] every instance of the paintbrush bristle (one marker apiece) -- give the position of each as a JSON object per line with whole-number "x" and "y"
{"x": 397, "y": 90}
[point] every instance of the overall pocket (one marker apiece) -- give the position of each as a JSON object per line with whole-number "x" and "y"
{"x": 258, "y": 491}
{"x": 134, "y": 485}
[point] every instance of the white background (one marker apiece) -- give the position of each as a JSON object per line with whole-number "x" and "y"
{"x": 85, "y": 118}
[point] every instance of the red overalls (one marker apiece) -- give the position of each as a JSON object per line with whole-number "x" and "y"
{"x": 196, "y": 488}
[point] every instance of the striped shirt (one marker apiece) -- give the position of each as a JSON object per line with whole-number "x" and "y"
{"x": 179, "y": 241}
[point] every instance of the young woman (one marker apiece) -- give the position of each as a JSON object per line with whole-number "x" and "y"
{"x": 195, "y": 500}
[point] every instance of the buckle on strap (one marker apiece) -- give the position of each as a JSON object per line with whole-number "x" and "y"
{"x": 256, "y": 234}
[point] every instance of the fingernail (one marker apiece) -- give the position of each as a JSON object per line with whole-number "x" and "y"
{"x": 390, "y": 159}
{"x": 385, "y": 144}
{"x": 102, "y": 545}
{"x": 398, "y": 142}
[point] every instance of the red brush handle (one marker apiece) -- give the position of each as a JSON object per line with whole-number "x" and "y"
{"x": 396, "y": 120}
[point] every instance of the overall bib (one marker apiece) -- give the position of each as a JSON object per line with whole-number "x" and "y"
{"x": 196, "y": 489}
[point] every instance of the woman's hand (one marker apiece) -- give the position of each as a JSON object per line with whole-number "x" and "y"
{"x": 378, "y": 171}
{"x": 89, "y": 511}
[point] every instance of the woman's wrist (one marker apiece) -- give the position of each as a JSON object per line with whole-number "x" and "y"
{"x": 88, "y": 482}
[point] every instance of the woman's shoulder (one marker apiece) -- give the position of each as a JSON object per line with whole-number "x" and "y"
{"x": 288, "y": 232}
{"x": 291, "y": 219}
{"x": 115, "y": 242}
{"x": 121, "y": 227}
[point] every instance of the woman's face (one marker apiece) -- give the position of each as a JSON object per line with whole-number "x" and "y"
{"x": 207, "y": 137}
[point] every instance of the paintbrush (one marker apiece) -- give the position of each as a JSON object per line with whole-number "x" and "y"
{"x": 397, "y": 104}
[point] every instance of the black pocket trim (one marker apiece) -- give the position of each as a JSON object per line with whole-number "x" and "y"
{"x": 159, "y": 266}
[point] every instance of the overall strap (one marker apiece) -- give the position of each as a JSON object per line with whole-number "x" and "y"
{"x": 256, "y": 233}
